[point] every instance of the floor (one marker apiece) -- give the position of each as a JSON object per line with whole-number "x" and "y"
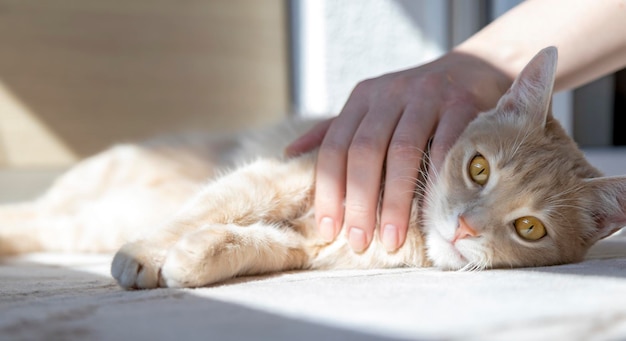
{"x": 72, "y": 297}
{"x": 18, "y": 185}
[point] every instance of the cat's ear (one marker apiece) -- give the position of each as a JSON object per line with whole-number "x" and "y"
{"x": 531, "y": 92}
{"x": 609, "y": 204}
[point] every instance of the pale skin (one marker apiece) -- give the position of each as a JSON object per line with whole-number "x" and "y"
{"x": 387, "y": 121}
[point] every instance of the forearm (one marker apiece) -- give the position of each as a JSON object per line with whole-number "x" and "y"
{"x": 590, "y": 35}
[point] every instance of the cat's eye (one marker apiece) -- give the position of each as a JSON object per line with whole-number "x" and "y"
{"x": 530, "y": 228}
{"x": 479, "y": 170}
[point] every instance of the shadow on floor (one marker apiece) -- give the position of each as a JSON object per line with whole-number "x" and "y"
{"x": 44, "y": 301}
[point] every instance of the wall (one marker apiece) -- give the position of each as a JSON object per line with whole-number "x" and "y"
{"x": 339, "y": 43}
{"x": 78, "y": 75}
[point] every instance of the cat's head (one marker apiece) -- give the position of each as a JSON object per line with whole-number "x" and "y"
{"x": 515, "y": 190}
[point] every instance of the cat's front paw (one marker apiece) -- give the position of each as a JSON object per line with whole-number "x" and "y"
{"x": 203, "y": 257}
{"x": 137, "y": 265}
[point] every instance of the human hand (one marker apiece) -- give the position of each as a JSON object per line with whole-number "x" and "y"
{"x": 386, "y": 124}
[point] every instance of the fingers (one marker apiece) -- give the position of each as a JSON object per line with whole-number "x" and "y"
{"x": 366, "y": 157}
{"x": 452, "y": 123}
{"x": 355, "y": 147}
{"x": 330, "y": 181}
{"x": 312, "y": 139}
{"x": 350, "y": 161}
{"x": 404, "y": 158}
{"x": 349, "y": 165}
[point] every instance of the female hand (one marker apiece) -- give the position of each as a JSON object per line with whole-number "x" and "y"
{"x": 386, "y": 123}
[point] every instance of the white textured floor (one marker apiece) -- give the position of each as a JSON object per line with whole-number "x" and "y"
{"x": 71, "y": 297}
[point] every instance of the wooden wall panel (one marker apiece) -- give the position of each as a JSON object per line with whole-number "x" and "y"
{"x": 78, "y": 75}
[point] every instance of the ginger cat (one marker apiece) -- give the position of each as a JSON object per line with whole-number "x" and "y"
{"x": 514, "y": 191}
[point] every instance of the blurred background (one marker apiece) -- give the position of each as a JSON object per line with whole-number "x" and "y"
{"x": 79, "y": 75}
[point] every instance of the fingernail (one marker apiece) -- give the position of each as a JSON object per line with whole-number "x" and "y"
{"x": 327, "y": 229}
{"x": 357, "y": 240}
{"x": 390, "y": 237}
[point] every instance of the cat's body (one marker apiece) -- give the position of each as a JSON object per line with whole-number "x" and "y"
{"x": 532, "y": 202}
{"x": 218, "y": 182}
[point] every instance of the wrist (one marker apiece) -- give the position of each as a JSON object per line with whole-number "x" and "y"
{"x": 484, "y": 80}
{"x": 507, "y": 59}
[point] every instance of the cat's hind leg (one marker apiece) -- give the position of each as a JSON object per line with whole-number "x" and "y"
{"x": 215, "y": 253}
{"x": 100, "y": 203}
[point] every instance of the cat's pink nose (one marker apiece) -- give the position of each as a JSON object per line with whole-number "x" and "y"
{"x": 464, "y": 230}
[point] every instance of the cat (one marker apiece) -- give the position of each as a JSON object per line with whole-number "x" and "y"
{"x": 514, "y": 191}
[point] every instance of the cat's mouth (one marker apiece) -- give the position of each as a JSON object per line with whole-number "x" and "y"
{"x": 453, "y": 247}
{"x": 457, "y": 252}
{"x": 445, "y": 254}
{"x": 461, "y": 259}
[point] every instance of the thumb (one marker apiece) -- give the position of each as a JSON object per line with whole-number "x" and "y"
{"x": 310, "y": 140}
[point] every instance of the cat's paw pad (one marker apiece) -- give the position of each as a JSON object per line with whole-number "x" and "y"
{"x": 138, "y": 266}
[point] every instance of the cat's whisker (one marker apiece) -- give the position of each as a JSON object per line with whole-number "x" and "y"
{"x": 568, "y": 192}
{"x": 418, "y": 182}
{"x": 562, "y": 201}
{"x": 470, "y": 267}
{"x": 413, "y": 181}
{"x": 479, "y": 259}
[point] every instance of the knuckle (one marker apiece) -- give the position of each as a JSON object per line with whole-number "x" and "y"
{"x": 359, "y": 208}
{"x": 363, "y": 146}
{"x": 432, "y": 77}
{"x": 429, "y": 81}
{"x": 363, "y": 87}
{"x": 403, "y": 147}
{"x": 458, "y": 100}
{"x": 384, "y": 87}
{"x": 366, "y": 150}
{"x": 333, "y": 147}
{"x": 394, "y": 86}
{"x": 440, "y": 148}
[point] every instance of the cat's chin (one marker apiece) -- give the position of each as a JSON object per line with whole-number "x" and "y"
{"x": 443, "y": 254}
